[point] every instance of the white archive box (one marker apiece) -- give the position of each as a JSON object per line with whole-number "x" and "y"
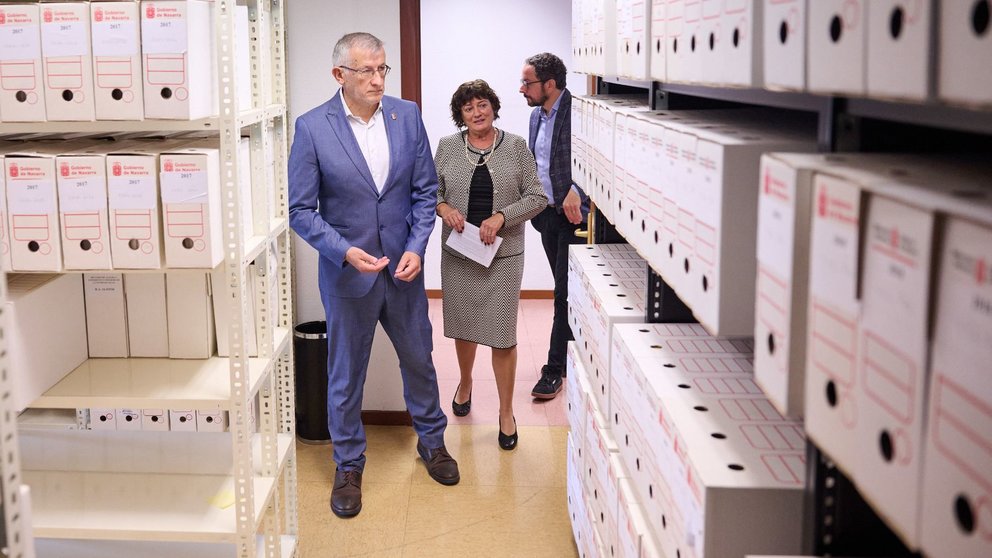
{"x": 657, "y": 47}
{"x": 4, "y": 218}
{"x": 740, "y": 42}
{"x": 67, "y": 61}
{"x": 615, "y": 187}
{"x": 577, "y": 391}
{"x": 718, "y": 272}
{"x": 179, "y": 82}
{"x": 900, "y": 49}
{"x": 957, "y": 468}
{"x": 632, "y": 200}
{"x": 134, "y": 201}
{"x": 578, "y": 141}
{"x": 32, "y": 204}
{"x": 709, "y": 47}
{"x": 604, "y": 60}
{"x": 191, "y": 213}
{"x": 222, "y": 298}
{"x": 83, "y": 210}
{"x": 129, "y": 419}
{"x": 578, "y": 510}
{"x": 836, "y": 46}
{"x": 182, "y": 420}
{"x": 600, "y": 451}
{"x": 156, "y": 420}
{"x": 190, "y": 314}
{"x": 117, "y": 83}
{"x": 898, "y": 247}
{"x": 103, "y": 419}
{"x": 147, "y": 315}
{"x": 784, "y": 42}
{"x": 784, "y": 217}
{"x": 754, "y": 467}
{"x": 106, "y": 315}
{"x": 684, "y": 45}
{"x": 44, "y": 308}
{"x": 633, "y": 48}
{"x": 211, "y": 421}
{"x": 963, "y": 74}
{"x": 22, "y": 98}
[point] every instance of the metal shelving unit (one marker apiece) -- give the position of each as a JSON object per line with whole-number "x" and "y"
{"x": 838, "y": 521}
{"x": 246, "y": 507}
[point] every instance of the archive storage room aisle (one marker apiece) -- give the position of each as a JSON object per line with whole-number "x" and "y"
{"x": 780, "y": 301}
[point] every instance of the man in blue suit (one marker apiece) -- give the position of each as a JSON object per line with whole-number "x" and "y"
{"x": 362, "y": 192}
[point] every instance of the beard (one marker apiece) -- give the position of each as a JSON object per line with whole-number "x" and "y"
{"x": 536, "y": 101}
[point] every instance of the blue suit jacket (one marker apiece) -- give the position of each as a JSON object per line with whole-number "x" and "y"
{"x": 334, "y": 204}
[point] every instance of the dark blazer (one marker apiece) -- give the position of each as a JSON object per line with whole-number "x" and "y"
{"x": 334, "y": 204}
{"x": 560, "y": 169}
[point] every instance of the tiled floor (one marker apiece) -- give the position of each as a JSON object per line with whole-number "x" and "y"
{"x": 507, "y": 503}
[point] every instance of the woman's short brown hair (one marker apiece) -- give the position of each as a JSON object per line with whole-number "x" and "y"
{"x": 466, "y": 92}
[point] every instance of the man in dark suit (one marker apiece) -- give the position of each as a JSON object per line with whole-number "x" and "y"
{"x": 362, "y": 192}
{"x": 543, "y": 85}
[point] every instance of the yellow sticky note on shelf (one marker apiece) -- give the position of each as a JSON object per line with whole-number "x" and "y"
{"x": 223, "y": 499}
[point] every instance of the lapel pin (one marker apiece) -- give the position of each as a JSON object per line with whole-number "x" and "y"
{"x": 392, "y": 115}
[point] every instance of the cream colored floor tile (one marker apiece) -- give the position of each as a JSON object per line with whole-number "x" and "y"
{"x": 377, "y": 531}
{"x": 539, "y": 459}
{"x": 492, "y": 521}
{"x": 314, "y": 463}
{"x": 389, "y": 457}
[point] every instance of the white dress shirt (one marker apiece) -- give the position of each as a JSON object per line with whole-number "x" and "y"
{"x": 372, "y": 140}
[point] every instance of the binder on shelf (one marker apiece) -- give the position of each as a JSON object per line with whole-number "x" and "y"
{"x": 179, "y": 83}
{"x": 4, "y": 219}
{"x": 657, "y": 47}
{"x": 22, "y": 97}
{"x": 191, "y": 213}
{"x": 837, "y": 43}
{"x": 106, "y": 315}
{"x": 963, "y": 75}
{"x": 739, "y": 41}
{"x": 782, "y": 283}
{"x": 155, "y": 420}
{"x": 133, "y": 201}
{"x": 67, "y": 61}
{"x": 222, "y": 309}
{"x": 957, "y": 469}
{"x": 784, "y": 44}
{"x": 211, "y": 421}
{"x": 190, "y": 314}
{"x": 47, "y": 332}
{"x": 32, "y": 203}
{"x": 103, "y": 419}
{"x": 183, "y": 420}
{"x": 900, "y": 44}
{"x": 117, "y": 81}
{"x": 147, "y": 315}
{"x": 84, "y": 227}
{"x": 129, "y": 419}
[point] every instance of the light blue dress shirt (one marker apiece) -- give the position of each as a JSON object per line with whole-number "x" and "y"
{"x": 542, "y": 149}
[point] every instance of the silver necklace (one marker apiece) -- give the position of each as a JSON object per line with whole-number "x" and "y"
{"x": 486, "y": 153}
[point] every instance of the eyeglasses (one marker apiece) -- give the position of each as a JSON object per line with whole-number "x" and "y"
{"x": 366, "y": 73}
{"x": 525, "y": 83}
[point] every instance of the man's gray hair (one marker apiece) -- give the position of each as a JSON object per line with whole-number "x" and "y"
{"x": 364, "y": 41}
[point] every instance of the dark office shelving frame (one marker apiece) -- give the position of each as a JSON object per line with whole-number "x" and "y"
{"x": 838, "y": 521}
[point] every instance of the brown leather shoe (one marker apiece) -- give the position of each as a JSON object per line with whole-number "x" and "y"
{"x": 440, "y": 465}
{"x": 346, "y": 497}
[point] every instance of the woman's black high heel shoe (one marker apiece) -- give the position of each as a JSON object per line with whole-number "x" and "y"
{"x": 508, "y": 441}
{"x": 461, "y": 409}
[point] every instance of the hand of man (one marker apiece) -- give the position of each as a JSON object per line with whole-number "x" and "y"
{"x": 453, "y": 218}
{"x": 364, "y": 262}
{"x": 489, "y": 228}
{"x": 572, "y": 206}
{"x": 409, "y": 267}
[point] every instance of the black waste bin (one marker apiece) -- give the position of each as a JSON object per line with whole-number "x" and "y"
{"x": 310, "y": 357}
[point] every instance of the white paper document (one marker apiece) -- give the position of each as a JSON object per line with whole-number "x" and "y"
{"x": 468, "y": 244}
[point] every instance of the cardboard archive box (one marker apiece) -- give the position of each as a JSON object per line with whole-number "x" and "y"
{"x": 784, "y": 40}
{"x": 67, "y": 61}
{"x": 837, "y": 40}
{"x": 118, "y": 92}
{"x": 22, "y": 97}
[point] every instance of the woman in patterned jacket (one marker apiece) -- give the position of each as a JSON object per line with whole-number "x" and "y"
{"x": 488, "y": 178}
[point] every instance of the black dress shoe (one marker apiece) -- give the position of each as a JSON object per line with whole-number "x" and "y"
{"x": 440, "y": 465}
{"x": 508, "y": 441}
{"x": 461, "y": 409}
{"x": 346, "y": 497}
